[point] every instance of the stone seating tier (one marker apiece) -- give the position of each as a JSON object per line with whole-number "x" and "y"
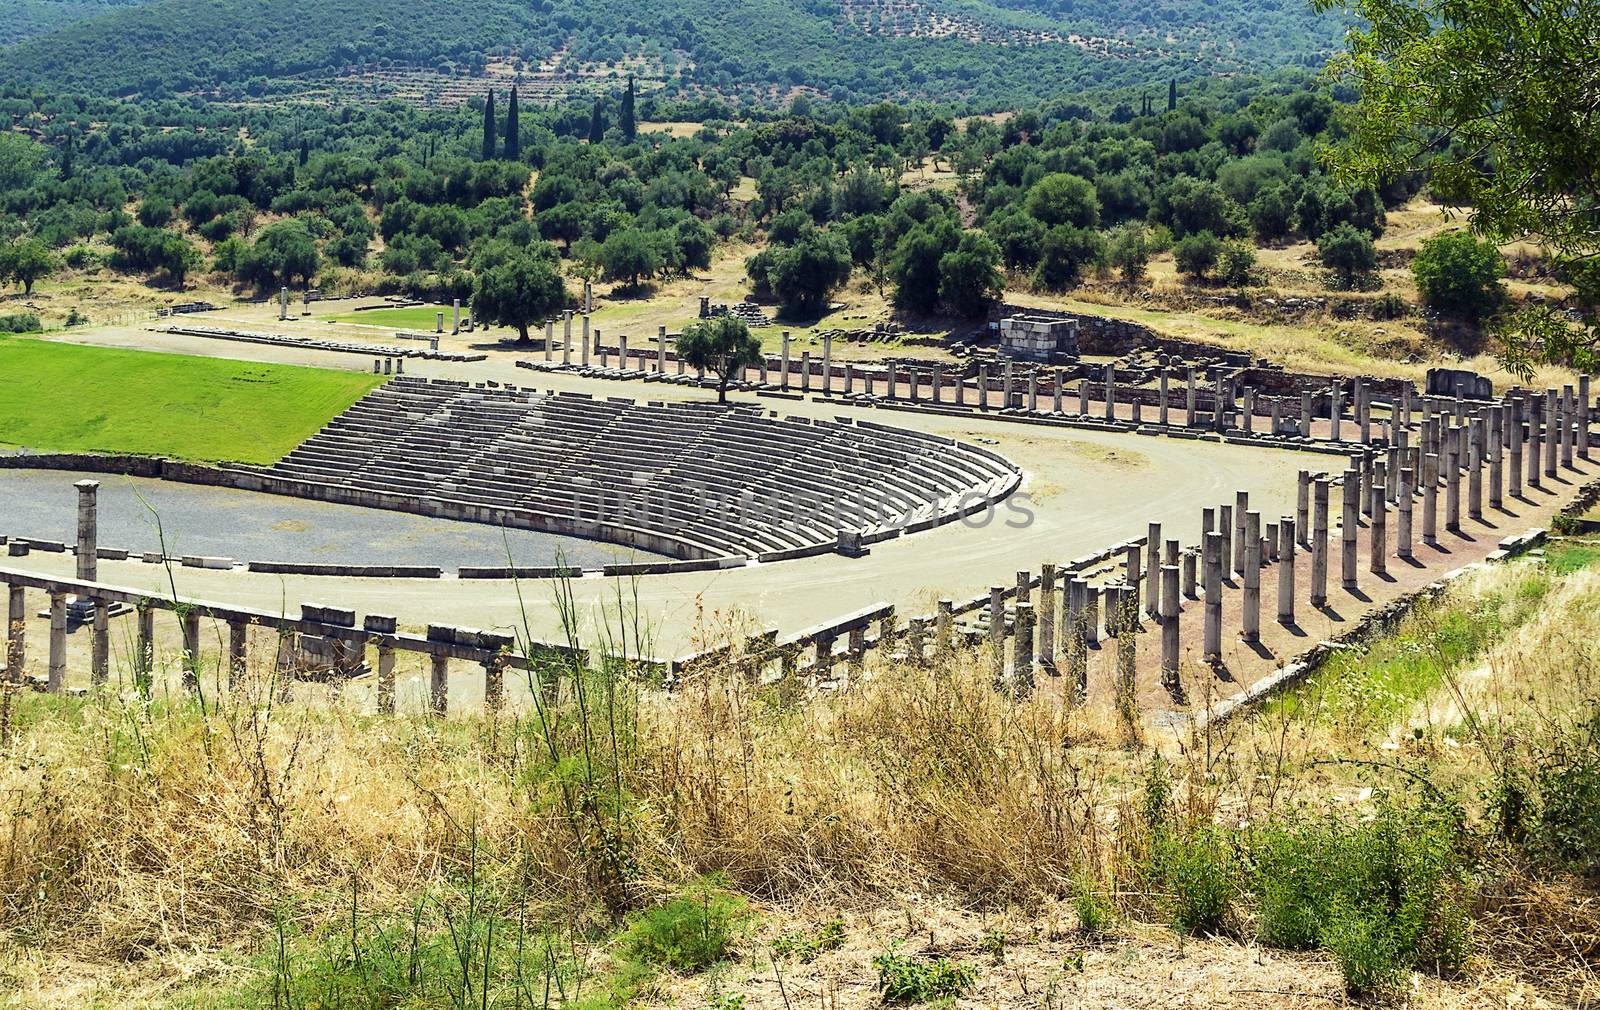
{"x": 566, "y": 462}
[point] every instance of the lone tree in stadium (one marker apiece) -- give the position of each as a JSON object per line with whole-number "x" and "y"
{"x": 722, "y": 346}
{"x": 518, "y": 292}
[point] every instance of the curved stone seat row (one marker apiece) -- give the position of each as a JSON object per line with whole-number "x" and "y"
{"x": 702, "y": 479}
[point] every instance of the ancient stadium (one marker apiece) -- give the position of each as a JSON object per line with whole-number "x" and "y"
{"x": 1111, "y": 514}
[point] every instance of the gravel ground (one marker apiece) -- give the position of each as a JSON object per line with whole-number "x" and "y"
{"x": 250, "y": 526}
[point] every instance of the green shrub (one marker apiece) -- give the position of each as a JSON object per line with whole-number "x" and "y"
{"x": 19, "y": 322}
{"x": 1200, "y": 875}
{"x": 1380, "y": 896}
{"x": 1366, "y": 950}
{"x": 903, "y": 979}
{"x": 1095, "y": 913}
{"x": 1568, "y": 784}
{"x": 806, "y": 946}
{"x": 687, "y": 933}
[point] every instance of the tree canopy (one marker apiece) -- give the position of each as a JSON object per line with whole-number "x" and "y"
{"x": 723, "y": 346}
{"x": 1494, "y": 102}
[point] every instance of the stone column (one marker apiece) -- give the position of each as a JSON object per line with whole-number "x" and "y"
{"x": 144, "y": 647}
{"x": 1075, "y": 638}
{"x": 1091, "y": 613}
{"x": 1319, "y": 544}
{"x": 438, "y": 321}
{"x": 1225, "y": 529}
{"x": 88, "y": 526}
{"x": 1005, "y": 386}
{"x": 1165, "y": 407}
{"x": 941, "y": 627}
{"x": 1131, "y": 576}
{"x": 588, "y": 344}
{"x": 1022, "y": 682}
{"x": 1191, "y": 575}
{"x": 1452, "y": 488}
{"x": 1083, "y": 397}
{"x": 566, "y": 337}
{"x": 622, "y": 356}
{"x": 1514, "y": 437}
{"x": 1496, "y": 472}
{"x": 100, "y": 644}
{"x": 16, "y": 632}
{"x": 1241, "y": 523}
{"x": 938, "y": 385}
{"x": 1286, "y": 546}
{"x": 1033, "y": 392}
{"x": 827, "y": 364}
{"x": 549, "y": 337}
{"x": 783, "y": 357}
{"x": 1552, "y": 432}
{"x": 1111, "y": 392}
{"x": 455, "y": 318}
{"x": 1224, "y": 403}
{"x": 983, "y": 387}
{"x": 822, "y": 665}
{"x": 1056, "y": 387}
{"x": 1250, "y": 410}
{"x": 1127, "y": 644}
{"x": 190, "y": 625}
{"x": 1378, "y": 542}
{"x": 1430, "y": 498}
{"x": 1277, "y": 418}
{"x": 1533, "y": 445}
{"x": 1302, "y": 506}
{"x": 1402, "y": 546}
{"x": 1152, "y": 568}
{"x": 1336, "y": 408}
{"x": 1349, "y": 528}
{"x": 1475, "y": 470}
{"x": 997, "y": 631}
{"x": 1190, "y": 405}
{"x": 1047, "y": 617}
{"x": 494, "y": 682}
{"x": 1212, "y": 564}
{"x": 1251, "y": 618}
{"x": 805, "y": 373}
{"x": 283, "y": 304}
{"x": 58, "y": 643}
{"x": 238, "y": 644}
{"x": 439, "y": 685}
{"x": 1363, "y": 410}
{"x": 1169, "y": 628}
{"x": 1305, "y": 413}
{"x": 1585, "y": 404}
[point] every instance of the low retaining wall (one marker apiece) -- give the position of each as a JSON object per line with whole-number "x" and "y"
{"x": 349, "y": 571}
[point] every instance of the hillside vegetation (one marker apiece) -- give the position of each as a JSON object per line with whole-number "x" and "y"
{"x": 988, "y": 52}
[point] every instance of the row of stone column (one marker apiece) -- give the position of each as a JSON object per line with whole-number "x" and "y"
{"x": 379, "y": 635}
{"x": 389, "y": 366}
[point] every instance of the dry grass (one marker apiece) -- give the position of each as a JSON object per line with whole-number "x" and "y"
{"x": 919, "y": 804}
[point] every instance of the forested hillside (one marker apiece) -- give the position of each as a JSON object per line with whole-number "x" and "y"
{"x": 21, "y": 19}
{"x": 991, "y": 53}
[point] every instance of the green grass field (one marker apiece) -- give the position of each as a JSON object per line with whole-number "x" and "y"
{"x": 417, "y": 317}
{"x": 68, "y": 398}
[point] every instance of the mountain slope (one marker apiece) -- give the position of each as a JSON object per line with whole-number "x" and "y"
{"x": 981, "y": 50}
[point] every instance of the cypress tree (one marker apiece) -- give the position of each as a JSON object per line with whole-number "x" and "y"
{"x": 488, "y": 127}
{"x": 1172, "y": 95}
{"x": 630, "y": 127}
{"x": 513, "y": 130}
{"x": 305, "y": 151}
{"x": 597, "y": 122}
